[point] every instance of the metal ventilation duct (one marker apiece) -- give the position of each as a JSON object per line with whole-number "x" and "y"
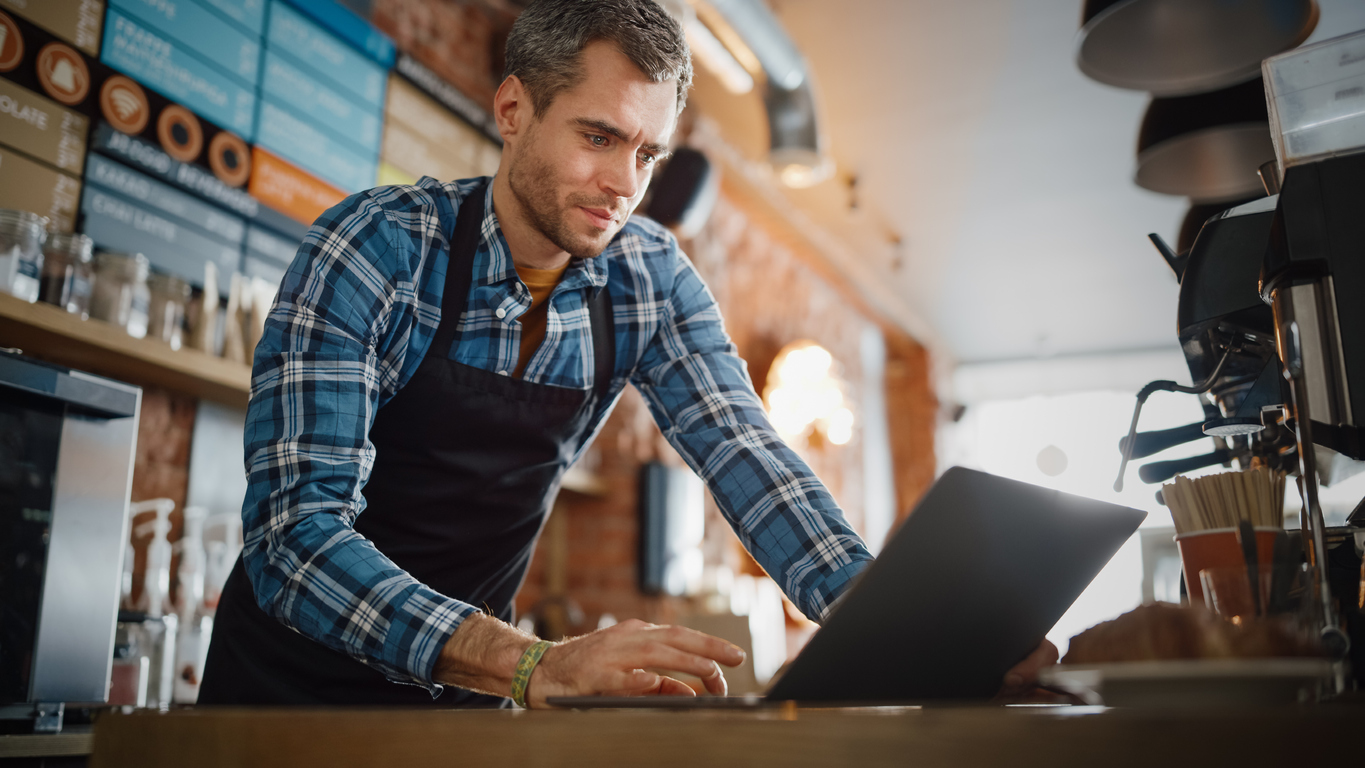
{"x": 1180, "y": 47}
{"x": 796, "y": 150}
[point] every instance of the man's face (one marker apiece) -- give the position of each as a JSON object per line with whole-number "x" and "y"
{"x": 582, "y": 165}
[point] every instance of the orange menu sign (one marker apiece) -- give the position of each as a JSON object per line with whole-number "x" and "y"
{"x": 293, "y": 192}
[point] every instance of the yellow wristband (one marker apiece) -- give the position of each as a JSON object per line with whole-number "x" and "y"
{"x": 525, "y": 666}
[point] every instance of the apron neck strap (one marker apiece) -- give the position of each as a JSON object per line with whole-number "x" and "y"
{"x": 464, "y": 243}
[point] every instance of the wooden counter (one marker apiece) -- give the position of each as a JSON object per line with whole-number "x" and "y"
{"x": 1016, "y": 736}
{"x": 73, "y": 744}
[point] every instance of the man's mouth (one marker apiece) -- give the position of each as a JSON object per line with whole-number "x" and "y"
{"x": 602, "y": 218}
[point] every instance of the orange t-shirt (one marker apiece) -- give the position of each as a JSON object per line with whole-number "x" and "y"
{"x": 541, "y": 283}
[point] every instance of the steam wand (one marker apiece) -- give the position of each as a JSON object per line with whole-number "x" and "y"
{"x": 1163, "y": 386}
{"x": 1334, "y": 641}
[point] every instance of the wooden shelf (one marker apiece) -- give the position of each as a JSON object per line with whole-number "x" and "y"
{"x": 52, "y": 334}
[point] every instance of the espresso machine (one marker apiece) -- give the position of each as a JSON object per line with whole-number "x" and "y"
{"x": 67, "y": 445}
{"x": 1272, "y": 325}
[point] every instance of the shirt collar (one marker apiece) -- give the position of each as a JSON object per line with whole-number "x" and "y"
{"x": 582, "y": 273}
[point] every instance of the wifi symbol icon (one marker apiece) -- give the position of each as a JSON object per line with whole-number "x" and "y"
{"x": 124, "y": 104}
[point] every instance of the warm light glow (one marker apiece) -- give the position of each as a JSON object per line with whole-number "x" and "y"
{"x": 800, "y": 168}
{"x": 805, "y": 396}
{"x": 840, "y": 427}
{"x": 799, "y": 176}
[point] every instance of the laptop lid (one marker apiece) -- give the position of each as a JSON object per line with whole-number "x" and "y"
{"x": 965, "y": 589}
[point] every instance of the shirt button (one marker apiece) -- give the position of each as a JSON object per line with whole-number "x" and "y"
{"x": 501, "y": 313}
{"x": 502, "y": 373}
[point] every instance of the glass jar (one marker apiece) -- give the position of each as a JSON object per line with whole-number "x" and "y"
{"x": 121, "y": 296}
{"x": 166, "y": 321}
{"x": 21, "y": 252}
{"x": 68, "y": 272}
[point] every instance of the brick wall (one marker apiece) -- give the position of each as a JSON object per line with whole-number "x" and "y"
{"x": 161, "y": 467}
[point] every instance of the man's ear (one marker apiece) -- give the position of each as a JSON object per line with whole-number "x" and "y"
{"x": 512, "y": 107}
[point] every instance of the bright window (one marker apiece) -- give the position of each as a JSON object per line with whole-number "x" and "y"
{"x": 1069, "y": 442}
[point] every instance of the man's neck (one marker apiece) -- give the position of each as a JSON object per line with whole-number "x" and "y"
{"x": 528, "y": 246}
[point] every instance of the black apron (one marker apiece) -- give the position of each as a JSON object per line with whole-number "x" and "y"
{"x": 467, "y": 465}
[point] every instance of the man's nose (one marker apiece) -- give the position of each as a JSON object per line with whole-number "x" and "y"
{"x": 620, "y": 178}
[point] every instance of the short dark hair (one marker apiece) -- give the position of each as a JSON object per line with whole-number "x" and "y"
{"x": 545, "y": 42}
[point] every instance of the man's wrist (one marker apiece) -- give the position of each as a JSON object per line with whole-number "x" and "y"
{"x": 482, "y": 655}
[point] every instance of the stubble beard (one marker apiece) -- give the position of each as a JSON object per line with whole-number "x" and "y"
{"x": 533, "y": 182}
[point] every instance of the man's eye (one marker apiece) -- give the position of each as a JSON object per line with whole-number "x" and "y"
{"x": 597, "y": 141}
{"x": 648, "y": 159}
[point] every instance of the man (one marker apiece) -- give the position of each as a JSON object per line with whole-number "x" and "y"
{"x": 441, "y": 353}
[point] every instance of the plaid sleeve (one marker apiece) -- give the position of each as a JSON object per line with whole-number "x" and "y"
{"x": 699, "y": 392}
{"x": 334, "y": 346}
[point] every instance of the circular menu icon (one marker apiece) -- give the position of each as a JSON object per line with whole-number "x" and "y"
{"x": 63, "y": 74}
{"x": 229, "y": 158}
{"x": 11, "y": 44}
{"x": 180, "y": 133}
{"x": 124, "y": 104}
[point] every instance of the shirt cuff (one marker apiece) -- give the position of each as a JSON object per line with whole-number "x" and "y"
{"x": 837, "y": 586}
{"x": 433, "y": 619}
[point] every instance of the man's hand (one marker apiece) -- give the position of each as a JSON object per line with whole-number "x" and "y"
{"x": 483, "y": 653}
{"x": 618, "y": 661}
{"x": 1024, "y": 675}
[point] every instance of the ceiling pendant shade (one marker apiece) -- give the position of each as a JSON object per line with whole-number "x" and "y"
{"x": 1180, "y": 47}
{"x": 1206, "y": 147}
{"x": 684, "y": 193}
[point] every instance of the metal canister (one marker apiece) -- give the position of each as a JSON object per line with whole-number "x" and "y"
{"x": 121, "y": 296}
{"x": 68, "y": 272}
{"x": 21, "y": 252}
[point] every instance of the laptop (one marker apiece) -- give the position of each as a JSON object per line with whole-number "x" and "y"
{"x": 965, "y": 589}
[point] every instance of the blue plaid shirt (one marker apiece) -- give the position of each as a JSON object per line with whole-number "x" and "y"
{"x": 356, "y": 313}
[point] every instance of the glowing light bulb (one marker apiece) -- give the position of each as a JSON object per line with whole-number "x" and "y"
{"x": 840, "y": 427}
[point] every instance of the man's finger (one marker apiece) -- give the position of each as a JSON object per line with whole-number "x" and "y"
{"x": 695, "y": 642}
{"x": 715, "y": 684}
{"x": 631, "y": 682}
{"x": 664, "y": 657}
{"x": 671, "y": 687}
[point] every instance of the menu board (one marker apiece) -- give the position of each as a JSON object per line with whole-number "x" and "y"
{"x": 288, "y": 190}
{"x": 289, "y": 84}
{"x": 42, "y": 127}
{"x": 29, "y": 186}
{"x": 117, "y": 223}
{"x": 196, "y": 28}
{"x": 300, "y": 140}
{"x": 151, "y": 58}
{"x": 250, "y": 14}
{"x": 171, "y": 120}
{"x": 314, "y": 47}
{"x": 164, "y": 199}
{"x": 76, "y": 21}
